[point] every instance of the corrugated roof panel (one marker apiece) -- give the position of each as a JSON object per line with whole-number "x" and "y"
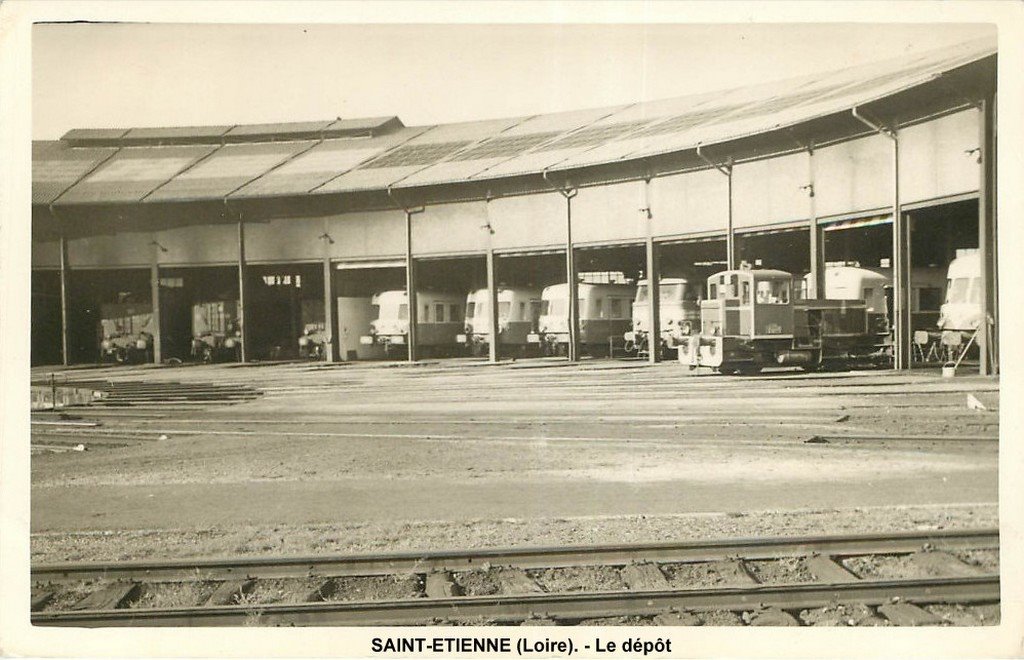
{"x": 363, "y": 124}
{"x": 322, "y": 163}
{"x": 293, "y": 130}
{"x": 133, "y": 173}
{"x": 175, "y": 134}
{"x": 229, "y": 168}
{"x": 55, "y": 166}
{"x": 793, "y": 101}
{"x": 94, "y": 136}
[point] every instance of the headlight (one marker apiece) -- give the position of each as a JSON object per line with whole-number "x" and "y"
{"x": 105, "y": 344}
{"x": 141, "y": 344}
{"x": 303, "y": 341}
{"x": 229, "y": 342}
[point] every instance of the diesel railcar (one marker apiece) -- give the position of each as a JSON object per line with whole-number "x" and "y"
{"x": 604, "y": 315}
{"x": 678, "y": 309}
{"x": 439, "y": 320}
{"x": 518, "y": 316}
{"x": 751, "y": 321}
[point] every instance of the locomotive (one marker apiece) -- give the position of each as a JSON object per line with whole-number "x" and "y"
{"x": 216, "y": 330}
{"x": 518, "y": 317}
{"x": 125, "y": 331}
{"x": 313, "y": 340}
{"x": 678, "y": 308}
{"x": 751, "y": 320}
{"x": 604, "y": 314}
{"x": 439, "y": 321}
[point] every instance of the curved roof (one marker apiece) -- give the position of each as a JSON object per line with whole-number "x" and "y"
{"x": 100, "y": 166}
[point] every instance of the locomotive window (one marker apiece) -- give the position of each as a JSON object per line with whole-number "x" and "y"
{"x": 958, "y": 289}
{"x": 929, "y": 299}
{"x": 522, "y": 311}
{"x": 469, "y": 309}
{"x": 403, "y": 312}
{"x": 375, "y": 311}
{"x": 773, "y": 292}
{"x": 426, "y": 314}
{"x": 536, "y": 309}
{"x": 439, "y": 312}
{"x": 454, "y": 316}
{"x": 975, "y": 290}
{"x": 712, "y": 291}
{"x": 641, "y": 293}
{"x": 504, "y": 309}
{"x": 670, "y": 292}
{"x": 745, "y": 298}
{"x": 598, "y": 307}
{"x": 616, "y": 308}
{"x": 545, "y": 307}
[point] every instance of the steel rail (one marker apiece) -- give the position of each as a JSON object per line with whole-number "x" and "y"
{"x": 539, "y": 557}
{"x": 566, "y": 606}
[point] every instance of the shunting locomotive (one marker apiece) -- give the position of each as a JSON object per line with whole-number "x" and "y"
{"x": 216, "y": 330}
{"x": 751, "y": 320}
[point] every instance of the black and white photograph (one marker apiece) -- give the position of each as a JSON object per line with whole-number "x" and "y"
{"x": 475, "y": 334}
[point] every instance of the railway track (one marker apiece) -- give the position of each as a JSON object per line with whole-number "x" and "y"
{"x": 784, "y": 581}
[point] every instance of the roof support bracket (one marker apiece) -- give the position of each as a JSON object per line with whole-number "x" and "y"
{"x": 725, "y": 169}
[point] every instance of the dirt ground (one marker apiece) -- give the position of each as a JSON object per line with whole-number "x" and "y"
{"x": 356, "y": 459}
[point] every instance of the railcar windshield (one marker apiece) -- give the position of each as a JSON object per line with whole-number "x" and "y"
{"x": 773, "y": 292}
{"x": 470, "y": 306}
{"x": 960, "y": 290}
{"x": 554, "y": 307}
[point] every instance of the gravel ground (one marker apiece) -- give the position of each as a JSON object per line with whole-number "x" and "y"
{"x": 231, "y": 540}
{"x": 781, "y": 571}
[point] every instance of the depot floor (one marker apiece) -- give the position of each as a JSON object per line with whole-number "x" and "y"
{"x": 375, "y": 457}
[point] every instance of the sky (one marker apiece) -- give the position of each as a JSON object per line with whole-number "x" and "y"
{"x": 125, "y": 75}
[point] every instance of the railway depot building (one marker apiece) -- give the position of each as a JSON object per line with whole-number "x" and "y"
{"x": 271, "y": 233}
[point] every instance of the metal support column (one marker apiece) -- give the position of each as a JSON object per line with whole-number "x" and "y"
{"x": 817, "y": 242}
{"x": 64, "y": 330}
{"x": 410, "y": 286}
{"x": 492, "y": 306}
{"x": 570, "y": 279}
{"x": 243, "y": 320}
{"x": 900, "y": 252}
{"x": 653, "y": 281}
{"x": 492, "y": 287}
{"x": 154, "y": 299}
{"x": 901, "y": 267}
{"x": 987, "y": 338}
{"x": 329, "y": 334}
{"x": 730, "y": 233}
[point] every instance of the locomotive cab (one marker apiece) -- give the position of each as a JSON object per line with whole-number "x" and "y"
{"x": 748, "y": 303}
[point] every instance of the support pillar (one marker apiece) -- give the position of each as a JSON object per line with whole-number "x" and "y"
{"x": 816, "y": 289}
{"x": 154, "y": 299}
{"x": 988, "y": 362}
{"x": 730, "y": 233}
{"x": 571, "y": 280}
{"x": 64, "y": 330}
{"x": 243, "y": 320}
{"x": 653, "y": 282}
{"x": 410, "y": 286}
{"x": 900, "y": 251}
{"x": 901, "y": 267}
{"x": 329, "y": 334}
{"x": 492, "y": 308}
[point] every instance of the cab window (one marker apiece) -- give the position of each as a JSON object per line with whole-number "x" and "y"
{"x": 469, "y": 309}
{"x": 616, "y": 308}
{"x": 426, "y": 314}
{"x": 504, "y": 308}
{"x": 439, "y": 312}
{"x": 745, "y": 298}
